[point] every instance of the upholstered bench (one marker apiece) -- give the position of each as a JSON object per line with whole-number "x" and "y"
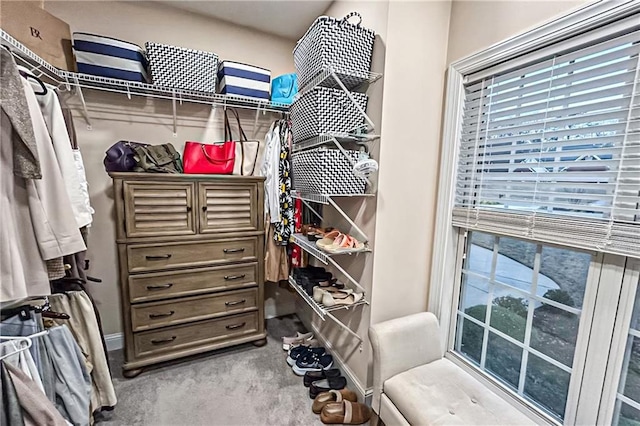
{"x": 414, "y": 384}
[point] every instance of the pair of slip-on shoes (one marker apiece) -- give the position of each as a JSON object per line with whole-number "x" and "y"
{"x": 306, "y": 359}
{"x": 297, "y": 340}
{"x": 340, "y": 407}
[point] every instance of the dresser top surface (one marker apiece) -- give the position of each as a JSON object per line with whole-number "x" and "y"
{"x": 183, "y": 177}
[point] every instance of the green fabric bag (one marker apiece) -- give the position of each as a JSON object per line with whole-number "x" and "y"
{"x": 157, "y": 159}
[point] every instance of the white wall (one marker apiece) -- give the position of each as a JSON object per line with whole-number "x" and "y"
{"x": 477, "y": 25}
{"x": 114, "y": 117}
{"x": 409, "y": 153}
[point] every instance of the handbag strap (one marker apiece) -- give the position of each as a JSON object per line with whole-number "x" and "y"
{"x": 213, "y": 160}
{"x": 242, "y": 141}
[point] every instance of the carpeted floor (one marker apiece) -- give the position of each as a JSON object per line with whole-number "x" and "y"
{"x": 244, "y": 385}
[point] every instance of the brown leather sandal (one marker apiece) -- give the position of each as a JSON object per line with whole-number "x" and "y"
{"x": 345, "y": 412}
{"x": 324, "y": 398}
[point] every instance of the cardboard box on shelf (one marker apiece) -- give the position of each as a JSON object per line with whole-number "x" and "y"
{"x": 40, "y": 31}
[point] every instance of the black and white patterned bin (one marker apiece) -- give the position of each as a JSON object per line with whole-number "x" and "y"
{"x": 324, "y": 110}
{"x": 182, "y": 68}
{"x": 326, "y": 171}
{"x": 336, "y": 43}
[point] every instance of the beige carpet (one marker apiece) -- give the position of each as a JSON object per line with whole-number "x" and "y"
{"x": 244, "y": 385}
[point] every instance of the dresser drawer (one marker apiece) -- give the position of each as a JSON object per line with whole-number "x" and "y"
{"x": 228, "y": 207}
{"x": 157, "y": 257}
{"x": 165, "y": 285}
{"x": 178, "y": 337}
{"x": 173, "y": 312}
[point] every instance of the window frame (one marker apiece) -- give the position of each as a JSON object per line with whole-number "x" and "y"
{"x": 591, "y": 304}
{"x": 447, "y": 261}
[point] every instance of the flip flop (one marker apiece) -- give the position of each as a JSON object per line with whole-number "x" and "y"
{"x": 324, "y": 398}
{"x": 345, "y": 412}
{"x": 328, "y": 239}
{"x": 345, "y": 244}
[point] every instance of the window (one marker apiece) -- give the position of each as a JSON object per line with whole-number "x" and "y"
{"x": 519, "y": 313}
{"x": 551, "y": 149}
{"x": 538, "y": 224}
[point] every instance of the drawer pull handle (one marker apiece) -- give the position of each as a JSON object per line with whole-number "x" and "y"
{"x": 159, "y": 257}
{"x": 234, "y": 250}
{"x": 161, "y": 341}
{"x": 166, "y": 314}
{"x": 160, "y": 287}
{"x": 234, "y": 277}
{"x": 188, "y": 208}
{"x": 237, "y": 302}
{"x": 204, "y": 208}
{"x": 234, "y": 326}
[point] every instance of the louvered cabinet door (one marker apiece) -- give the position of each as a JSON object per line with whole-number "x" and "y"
{"x": 227, "y": 207}
{"x": 159, "y": 209}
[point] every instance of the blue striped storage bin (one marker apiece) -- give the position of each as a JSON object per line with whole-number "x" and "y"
{"x": 109, "y": 57}
{"x": 244, "y": 80}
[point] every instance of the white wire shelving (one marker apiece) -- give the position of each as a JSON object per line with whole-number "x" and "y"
{"x": 326, "y": 312}
{"x": 327, "y": 258}
{"x": 334, "y": 80}
{"x": 335, "y": 138}
{"x": 71, "y": 80}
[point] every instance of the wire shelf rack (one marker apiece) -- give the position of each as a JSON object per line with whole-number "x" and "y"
{"x": 319, "y": 254}
{"x": 329, "y": 78}
{"x": 327, "y": 138}
{"x": 319, "y": 308}
{"x": 129, "y": 88}
{"x": 325, "y": 198}
{"x": 67, "y": 80}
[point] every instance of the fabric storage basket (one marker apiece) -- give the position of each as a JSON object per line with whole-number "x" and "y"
{"x": 326, "y": 171}
{"x": 323, "y": 110}
{"x": 109, "y": 57}
{"x": 335, "y": 43}
{"x": 182, "y": 68}
{"x": 244, "y": 80}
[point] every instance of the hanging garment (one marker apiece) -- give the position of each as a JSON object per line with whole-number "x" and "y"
{"x": 270, "y": 170}
{"x": 18, "y": 326}
{"x": 276, "y": 262}
{"x": 22, "y": 360}
{"x": 37, "y": 410}
{"x": 77, "y": 156}
{"x": 24, "y": 159}
{"x": 297, "y": 255}
{"x": 23, "y": 272}
{"x": 283, "y": 228}
{"x": 85, "y": 329}
{"x": 71, "y": 378}
{"x": 11, "y": 413}
{"x": 55, "y": 268}
{"x": 52, "y": 113}
{"x": 49, "y": 203}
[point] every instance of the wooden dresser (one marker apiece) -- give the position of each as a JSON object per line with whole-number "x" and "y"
{"x": 191, "y": 254}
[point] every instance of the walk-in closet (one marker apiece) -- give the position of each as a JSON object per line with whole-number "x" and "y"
{"x": 307, "y": 212}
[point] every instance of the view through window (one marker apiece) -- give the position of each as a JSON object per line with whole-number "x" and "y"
{"x": 518, "y": 314}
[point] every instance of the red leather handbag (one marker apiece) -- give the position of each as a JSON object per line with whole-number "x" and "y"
{"x": 217, "y": 159}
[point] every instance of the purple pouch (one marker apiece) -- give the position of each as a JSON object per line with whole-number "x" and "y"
{"x": 119, "y": 156}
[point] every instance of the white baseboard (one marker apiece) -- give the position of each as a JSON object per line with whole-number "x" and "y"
{"x": 114, "y": 341}
{"x": 364, "y": 394}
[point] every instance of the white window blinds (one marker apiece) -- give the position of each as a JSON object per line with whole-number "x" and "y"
{"x": 551, "y": 150}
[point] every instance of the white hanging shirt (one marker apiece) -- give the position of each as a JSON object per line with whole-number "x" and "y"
{"x": 270, "y": 170}
{"x": 52, "y": 114}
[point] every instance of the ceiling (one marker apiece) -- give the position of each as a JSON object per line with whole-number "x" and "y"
{"x": 289, "y": 19}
